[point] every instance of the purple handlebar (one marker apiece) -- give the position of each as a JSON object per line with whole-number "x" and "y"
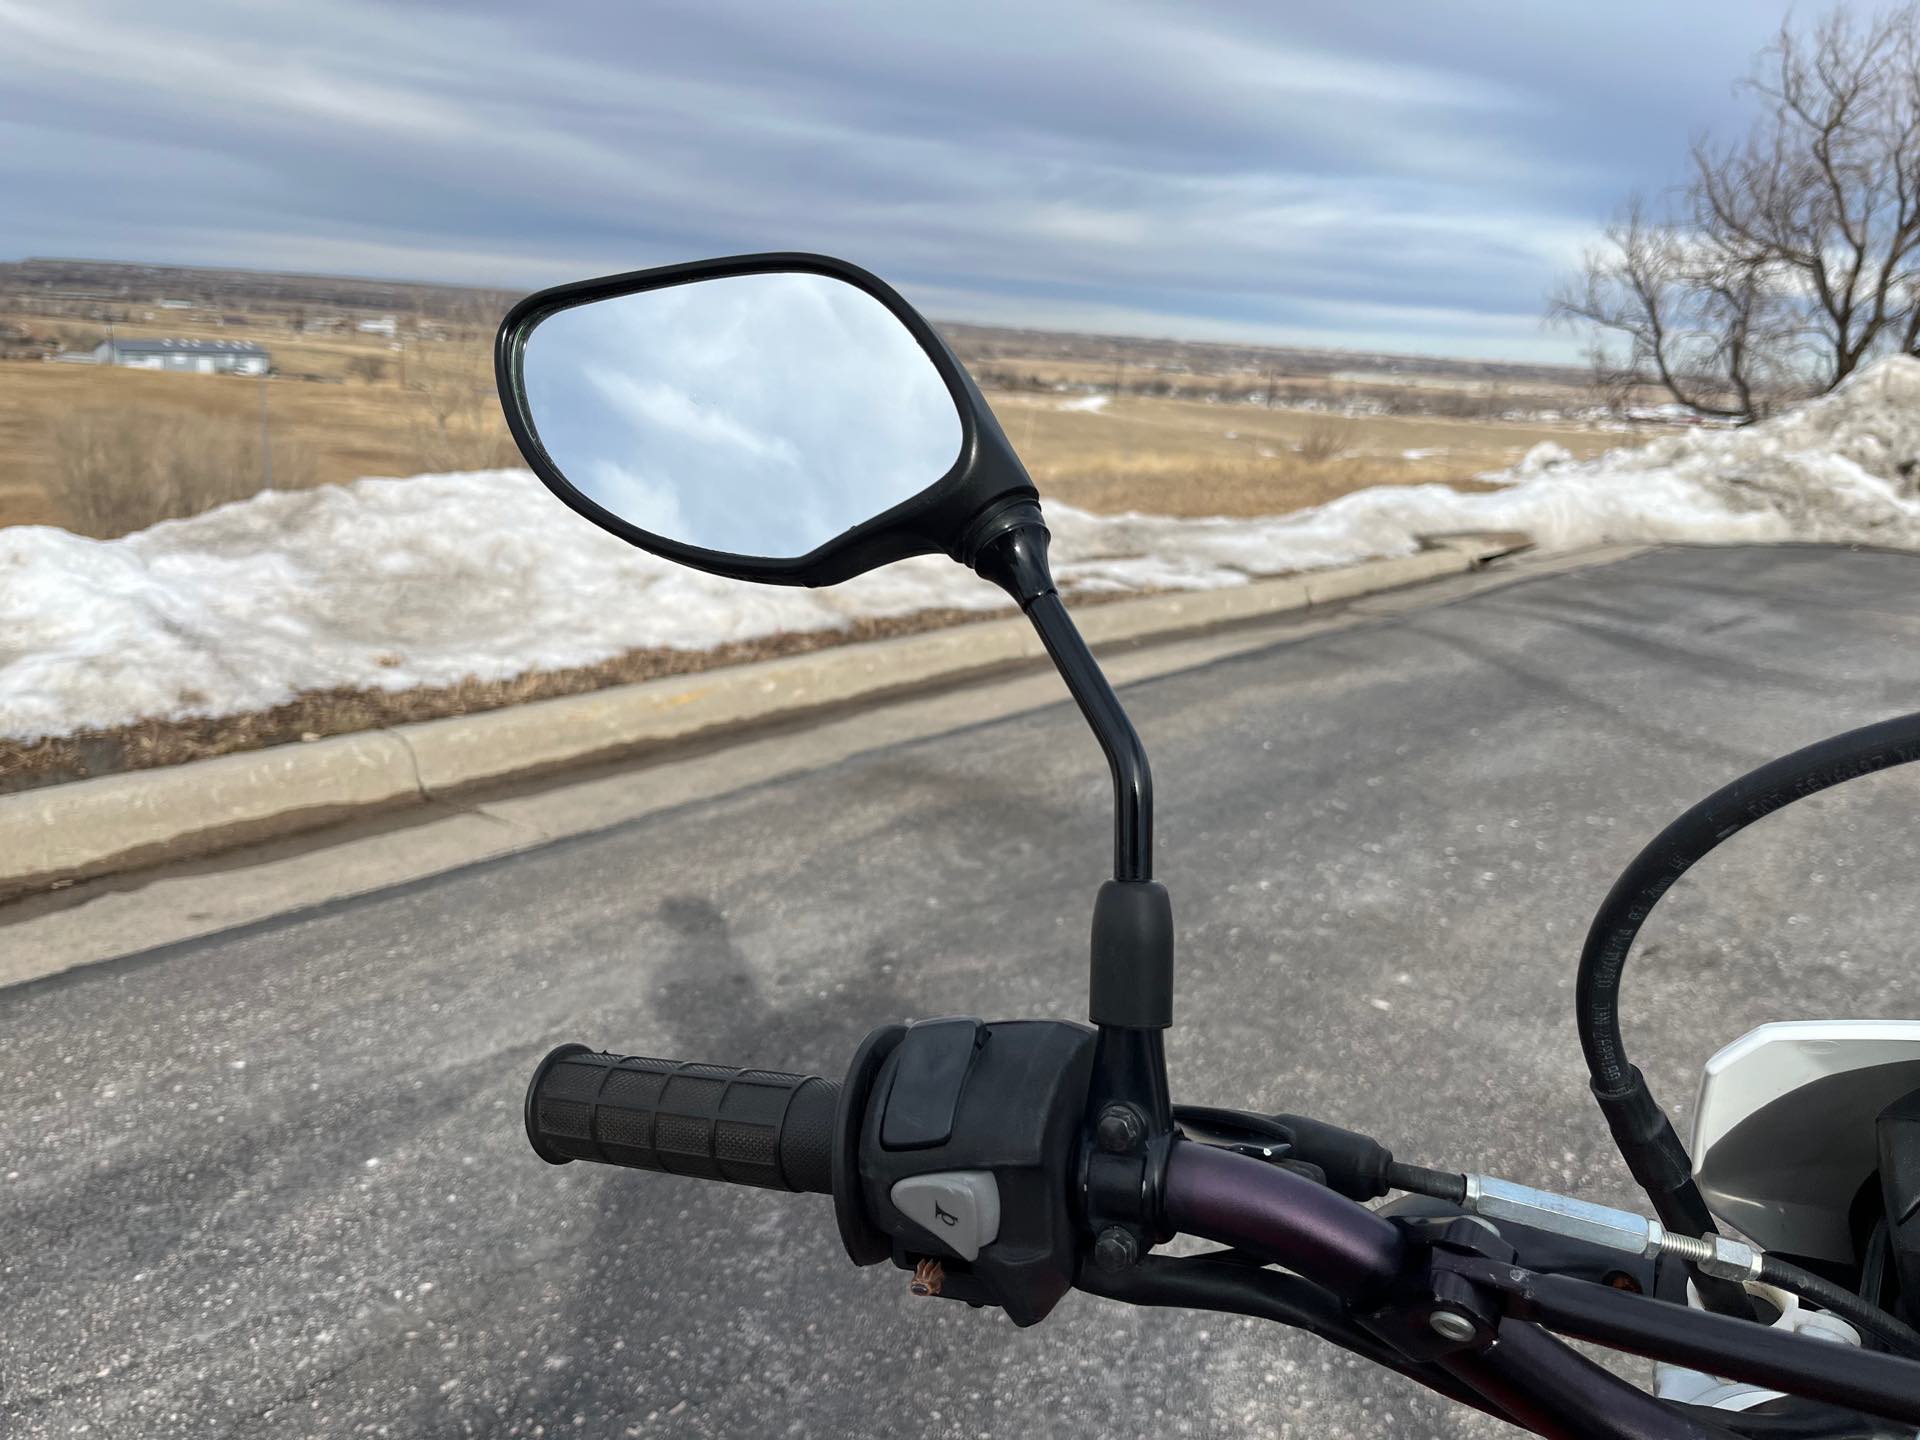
{"x": 1286, "y": 1218}
{"x": 1347, "y": 1249}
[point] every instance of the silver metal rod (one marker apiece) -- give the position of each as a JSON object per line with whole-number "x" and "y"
{"x": 1495, "y": 1199}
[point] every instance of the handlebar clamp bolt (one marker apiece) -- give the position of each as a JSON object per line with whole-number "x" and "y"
{"x": 1119, "y": 1129}
{"x": 1116, "y": 1249}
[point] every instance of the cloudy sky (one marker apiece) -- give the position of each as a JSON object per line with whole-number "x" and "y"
{"x": 1398, "y": 174}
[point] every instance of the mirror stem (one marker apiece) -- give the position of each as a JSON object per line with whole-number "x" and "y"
{"x": 1008, "y": 545}
{"x": 1130, "y": 994}
{"x": 1126, "y": 756}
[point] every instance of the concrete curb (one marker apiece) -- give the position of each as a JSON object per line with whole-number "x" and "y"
{"x": 85, "y": 828}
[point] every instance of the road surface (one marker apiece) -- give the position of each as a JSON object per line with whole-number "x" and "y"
{"x": 273, "y": 1182}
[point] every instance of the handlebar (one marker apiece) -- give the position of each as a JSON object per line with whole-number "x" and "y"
{"x": 749, "y": 1127}
{"x": 999, "y": 1196}
{"x": 1357, "y": 1256}
{"x": 1283, "y": 1217}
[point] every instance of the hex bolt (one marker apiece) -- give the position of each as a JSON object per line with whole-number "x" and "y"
{"x": 1119, "y": 1129}
{"x": 1451, "y": 1325}
{"x": 1116, "y": 1249}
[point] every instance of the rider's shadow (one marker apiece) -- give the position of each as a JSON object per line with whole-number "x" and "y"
{"x": 664, "y": 1247}
{"x": 710, "y": 997}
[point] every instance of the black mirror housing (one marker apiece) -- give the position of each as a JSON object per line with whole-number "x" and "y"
{"x": 985, "y": 513}
{"x": 944, "y": 518}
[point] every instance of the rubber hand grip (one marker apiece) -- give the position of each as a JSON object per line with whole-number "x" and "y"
{"x": 747, "y": 1127}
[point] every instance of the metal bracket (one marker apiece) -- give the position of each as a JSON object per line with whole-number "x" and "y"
{"x": 1435, "y": 1310}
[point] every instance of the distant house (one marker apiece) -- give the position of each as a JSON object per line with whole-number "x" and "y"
{"x": 386, "y": 325}
{"x": 199, "y": 357}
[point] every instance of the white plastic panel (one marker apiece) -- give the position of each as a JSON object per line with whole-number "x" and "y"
{"x": 1783, "y": 1134}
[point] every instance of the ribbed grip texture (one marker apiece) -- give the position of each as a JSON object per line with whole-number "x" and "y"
{"x": 748, "y": 1127}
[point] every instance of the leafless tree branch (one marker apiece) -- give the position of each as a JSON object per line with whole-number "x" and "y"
{"x": 1793, "y": 255}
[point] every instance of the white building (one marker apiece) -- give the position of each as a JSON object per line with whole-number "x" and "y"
{"x": 199, "y": 357}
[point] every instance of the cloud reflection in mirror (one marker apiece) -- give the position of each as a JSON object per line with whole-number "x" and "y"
{"x": 753, "y": 414}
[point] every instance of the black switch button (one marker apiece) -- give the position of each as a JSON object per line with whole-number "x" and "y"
{"x": 932, "y": 1066}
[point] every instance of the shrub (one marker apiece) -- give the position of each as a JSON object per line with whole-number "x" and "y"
{"x": 458, "y": 424}
{"x": 121, "y": 470}
{"x": 1324, "y": 440}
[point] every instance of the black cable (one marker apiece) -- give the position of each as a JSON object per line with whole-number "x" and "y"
{"x": 1641, "y": 1129}
{"x": 1898, "y": 1336}
{"x": 1224, "y": 1281}
{"x": 1791, "y": 1418}
{"x": 1857, "y": 1311}
{"x": 1356, "y": 1165}
{"x": 1235, "y": 1281}
{"x": 1216, "y": 1120}
{"x": 1873, "y": 1268}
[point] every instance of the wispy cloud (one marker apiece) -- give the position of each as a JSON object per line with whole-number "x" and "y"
{"x": 1396, "y": 175}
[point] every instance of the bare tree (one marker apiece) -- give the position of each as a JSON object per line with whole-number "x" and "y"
{"x": 1612, "y": 385}
{"x": 1792, "y": 256}
{"x": 457, "y": 421}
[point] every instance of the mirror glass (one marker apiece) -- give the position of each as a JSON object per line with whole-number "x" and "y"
{"x": 759, "y": 415}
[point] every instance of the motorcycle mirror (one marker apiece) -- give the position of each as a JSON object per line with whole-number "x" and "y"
{"x": 781, "y": 418}
{"x": 791, "y": 419}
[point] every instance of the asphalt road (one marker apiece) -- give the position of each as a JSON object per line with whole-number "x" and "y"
{"x": 273, "y": 1182}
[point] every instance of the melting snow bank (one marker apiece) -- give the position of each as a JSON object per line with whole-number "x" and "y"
{"x": 395, "y": 584}
{"x": 1088, "y": 404}
{"x": 392, "y": 584}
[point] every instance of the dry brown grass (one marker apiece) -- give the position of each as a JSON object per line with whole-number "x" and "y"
{"x": 1161, "y": 485}
{"x": 457, "y": 423}
{"x": 1324, "y": 439}
{"x": 347, "y": 430}
{"x": 117, "y": 471}
{"x": 430, "y": 406}
{"x": 353, "y": 403}
{"x": 1176, "y": 457}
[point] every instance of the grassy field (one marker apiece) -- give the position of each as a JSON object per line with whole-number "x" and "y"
{"x": 1179, "y": 428}
{"x": 432, "y": 408}
{"x": 339, "y": 406}
{"x": 342, "y": 431}
{"x": 1186, "y": 457}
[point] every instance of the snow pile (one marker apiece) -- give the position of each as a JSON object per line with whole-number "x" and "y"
{"x": 1845, "y": 467}
{"x": 1086, "y": 404}
{"x": 392, "y": 584}
{"x": 1541, "y": 458}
